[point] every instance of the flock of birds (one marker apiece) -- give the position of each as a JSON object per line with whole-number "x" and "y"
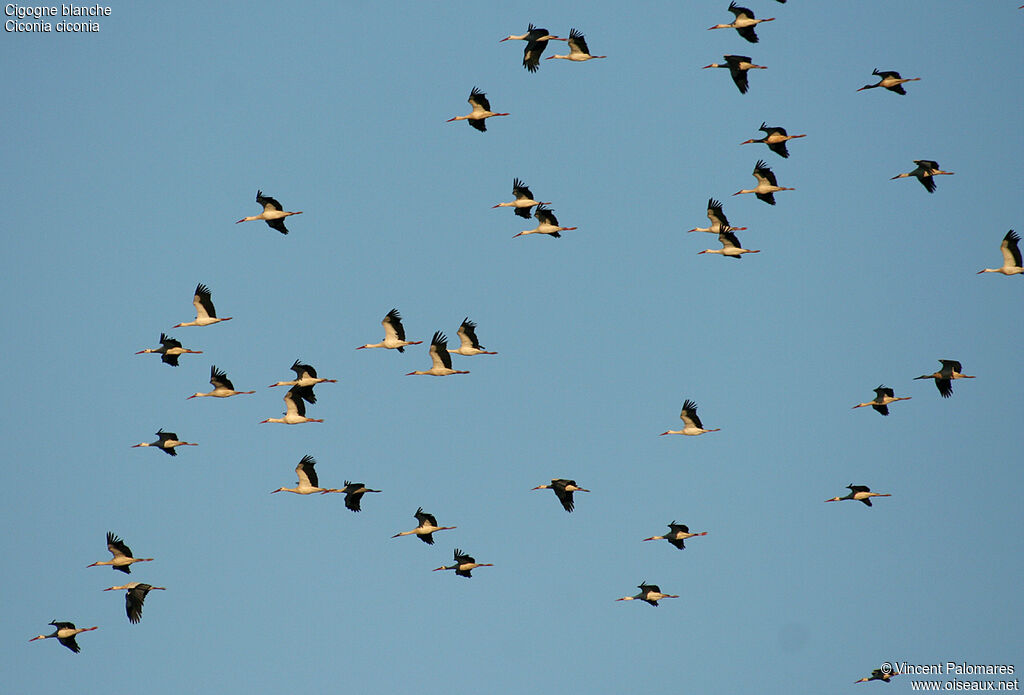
{"x": 301, "y": 391}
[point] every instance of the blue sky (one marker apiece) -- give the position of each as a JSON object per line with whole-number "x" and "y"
{"x": 131, "y": 152}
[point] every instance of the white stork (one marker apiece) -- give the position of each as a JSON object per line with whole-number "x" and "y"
{"x": 775, "y": 137}
{"x": 536, "y": 41}
{"x": 1011, "y": 256}
{"x": 426, "y": 528}
{"x": 719, "y": 222}
{"x": 394, "y": 334}
{"x": 205, "y": 313}
{"x": 891, "y": 80}
{"x": 353, "y": 494}
{"x": 861, "y": 493}
{"x": 677, "y": 535}
{"x": 883, "y": 397}
{"x": 308, "y": 482}
{"x": 464, "y": 565}
{"x": 578, "y": 51}
{"x": 481, "y": 111}
{"x": 295, "y": 409}
{"x": 650, "y": 593}
{"x": 169, "y": 350}
{"x": 730, "y": 246}
{"x": 766, "y": 184}
{"x": 305, "y": 375}
{"x": 440, "y": 359}
{"x": 951, "y": 369}
{"x": 222, "y": 386}
{"x": 122, "y": 559}
{"x": 273, "y": 213}
{"x": 691, "y": 423}
{"x": 65, "y": 634}
{"x": 133, "y": 598}
{"x": 548, "y": 224}
{"x": 738, "y": 67}
{"x": 524, "y": 200}
{"x": 744, "y": 23}
{"x": 563, "y": 488}
{"x": 926, "y": 171}
{"x": 166, "y": 442}
{"x": 468, "y": 343}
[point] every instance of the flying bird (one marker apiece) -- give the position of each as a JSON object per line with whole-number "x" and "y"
{"x": 578, "y": 51}
{"x": 951, "y": 369}
{"x": 427, "y": 527}
{"x": 524, "y": 200}
{"x": 861, "y": 493}
{"x": 878, "y": 675}
{"x": 719, "y": 222}
{"x": 738, "y": 67}
{"x": 548, "y": 223}
{"x": 169, "y": 350}
{"x": 692, "y": 423}
{"x": 273, "y": 213}
{"x": 353, "y": 494}
{"x": 766, "y": 184}
{"x": 744, "y": 23}
{"x": 481, "y": 111}
{"x": 205, "y": 313}
{"x": 730, "y": 246}
{"x": 222, "y": 386}
{"x": 468, "y": 343}
{"x": 134, "y": 597}
{"x": 926, "y": 171}
{"x": 775, "y": 137}
{"x": 122, "y": 559}
{"x": 651, "y": 593}
{"x": 166, "y": 442}
{"x": 308, "y": 482}
{"x": 1011, "y": 256}
{"x": 883, "y": 397}
{"x": 305, "y": 376}
{"x": 65, "y": 634}
{"x": 394, "y": 334}
{"x": 536, "y": 41}
{"x": 563, "y": 491}
{"x": 890, "y": 79}
{"x": 295, "y": 409}
{"x": 440, "y": 359}
{"x": 677, "y": 535}
{"x": 464, "y": 565}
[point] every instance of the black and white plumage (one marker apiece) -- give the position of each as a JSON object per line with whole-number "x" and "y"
{"x": 295, "y": 409}
{"x": 206, "y": 314}
{"x": 861, "y": 493}
{"x": 353, "y": 494}
{"x": 308, "y": 482}
{"x": 649, "y": 593}
{"x": 273, "y": 213}
{"x": 891, "y": 80}
{"x": 222, "y": 386}
{"x": 464, "y": 565}
{"x": 134, "y": 597}
{"x": 744, "y": 23}
{"x": 1011, "y": 256}
{"x": 883, "y": 397}
{"x": 738, "y": 67}
{"x": 169, "y": 350}
{"x": 122, "y": 559}
{"x": 775, "y": 137}
{"x": 426, "y": 528}
{"x": 926, "y": 171}
{"x": 394, "y": 334}
{"x": 536, "y": 41}
{"x": 766, "y": 186}
{"x": 692, "y": 424}
{"x": 468, "y": 343}
{"x": 951, "y": 369}
{"x": 547, "y": 223}
{"x": 578, "y": 51}
{"x": 677, "y": 535}
{"x": 731, "y": 247}
{"x": 440, "y": 359}
{"x": 481, "y": 111}
{"x": 719, "y": 222}
{"x": 65, "y": 634}
{"x": 563, "y": 488}
{"x": 523, "y": 202}
{"x": 166, "y": 442}
{"x": 305, "y": 375}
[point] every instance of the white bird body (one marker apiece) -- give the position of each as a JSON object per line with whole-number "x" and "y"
{"x": 222, "y": 386}
{"x": 166, "y": 442}
{"x": 951, "y": 369}
{"x": 65, "y": 634}
{"x": 440, "y": 358}
{"x": 308, "y": 482}
{"x": 394, "y": 334}
{"x": 427, "y": 527}
{"x": 524, "y": 200}
{"x": 306, "y": 377}
{"x": 133, "y": 599}
{"x": 738, "y": 67}
{"x": 481, "y": 111}
{"x": 548, "y": 224}
{"x": 744, "y": 23}
{"x": 775, "y": 137}
{"x": 205, "y": 312}
{"x": 766, "y": 184}
{"x": 170, "y": 349}
{"x": 1011, "y": 256}
{"x": 273, "y": 214}
{"x": 719, "y": 222}
{"x": 926, "y": 171}
{"x": 883, "y": 397}
{"x": 578, "y": 51}
{"x": 889, "y": 79}
{"x": 860, "y": 493}
{"x": 536, "y": 41}
{"x": 122, "y": 559}
{"x": 651, "y": 593}
{"x": 464, "y": 564}
{"x": 468, "y": 343}
{"x": 295, "y": 409}
{"x": 730, "y": 246}
{"x": 692, "y": 424}
{"x": 677, "y": 535}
